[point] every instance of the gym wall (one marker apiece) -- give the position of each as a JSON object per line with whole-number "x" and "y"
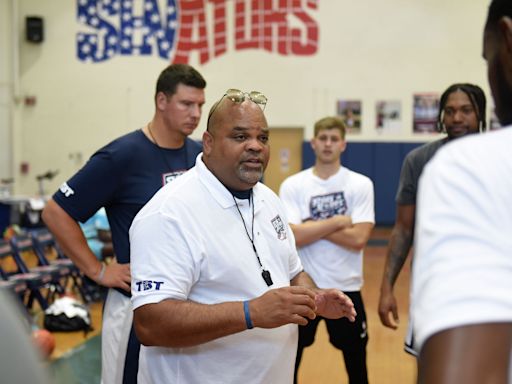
{"x": 67, "y": 104}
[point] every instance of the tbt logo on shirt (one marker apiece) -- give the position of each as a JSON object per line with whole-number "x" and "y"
{"x": 325, "y": 206}
{"x": 66, "y": 190}
{"x": 279, "y": 227}
{"x": 148, "y": 285}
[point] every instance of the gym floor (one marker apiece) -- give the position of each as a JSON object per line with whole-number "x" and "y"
{"x": 77, "y": 358}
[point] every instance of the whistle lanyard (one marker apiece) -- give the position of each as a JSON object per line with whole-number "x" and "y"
{"x": 264, "y": 273}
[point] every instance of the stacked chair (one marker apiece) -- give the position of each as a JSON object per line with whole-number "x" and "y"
{"x": 50, "y": 254}
{"x": 27, "y": 284}
{"x": 10, "y": 282}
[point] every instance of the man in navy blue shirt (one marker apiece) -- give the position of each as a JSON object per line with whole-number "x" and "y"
{"x": 122, "y": 177}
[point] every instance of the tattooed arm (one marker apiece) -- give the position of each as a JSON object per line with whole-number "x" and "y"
{"x": 399, "y": 245}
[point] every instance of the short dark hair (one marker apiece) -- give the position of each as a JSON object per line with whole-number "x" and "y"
{"x": 475, "y": 95}
{"x": 497, "y": 10}
{"x": 176, "y": 74}
{"x": 331, "y": 122}
{"x": 210, "y": 113}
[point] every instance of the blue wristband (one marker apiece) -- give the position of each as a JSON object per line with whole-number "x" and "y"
{"x": 247, "y": 315}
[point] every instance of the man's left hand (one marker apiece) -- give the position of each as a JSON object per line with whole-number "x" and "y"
{"x": 334, "y": 304}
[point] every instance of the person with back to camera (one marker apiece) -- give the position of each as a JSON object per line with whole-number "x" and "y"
{"x": 462, "y": 112}
{"x": 462, "y": 272}
{"x": 122, "y": 177}
{"x": 99, "y": 237}
{"x": 218, "y": 287}
{"x": 330, "y": 210}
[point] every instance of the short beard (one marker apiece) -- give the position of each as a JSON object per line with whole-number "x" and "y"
{"x": 249, "y": 177}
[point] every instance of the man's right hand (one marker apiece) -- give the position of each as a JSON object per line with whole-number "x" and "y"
{"x": 116, "y": 276}
{"x": 287, "y": 305}
{"x": 387, "y": 305}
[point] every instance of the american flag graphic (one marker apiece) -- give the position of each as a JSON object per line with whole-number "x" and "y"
{"x": 173, "y": 29}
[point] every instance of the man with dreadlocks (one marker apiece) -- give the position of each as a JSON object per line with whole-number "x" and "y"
{"x": 461, "y": 112}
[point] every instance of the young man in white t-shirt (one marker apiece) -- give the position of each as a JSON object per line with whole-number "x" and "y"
{"x": 331, "y": 212}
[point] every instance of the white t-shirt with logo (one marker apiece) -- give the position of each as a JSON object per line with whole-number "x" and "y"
{"x": 308, "y": 197}
{"x": 189, "y": 243}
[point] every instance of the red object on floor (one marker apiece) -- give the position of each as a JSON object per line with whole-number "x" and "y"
{"x": 45, "y": 341}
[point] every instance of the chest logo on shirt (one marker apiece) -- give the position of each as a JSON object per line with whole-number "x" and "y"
{"x": 170, "y": 176}
{"x": 279, "y": 227}
{"x": 325, "y": 206}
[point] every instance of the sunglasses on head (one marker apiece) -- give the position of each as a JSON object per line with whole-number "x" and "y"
{"x": 238, "y": 96}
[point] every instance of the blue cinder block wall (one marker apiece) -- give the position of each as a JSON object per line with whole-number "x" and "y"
{"x": 381, "y": 162}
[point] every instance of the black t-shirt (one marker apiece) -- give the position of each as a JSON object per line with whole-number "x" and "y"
{"x": 411, "y": 171}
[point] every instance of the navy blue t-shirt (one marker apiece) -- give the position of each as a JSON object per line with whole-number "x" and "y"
{"x": 122, "y": 177}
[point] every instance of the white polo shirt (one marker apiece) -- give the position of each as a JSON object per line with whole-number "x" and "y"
{"x": 307, "y": 196}
{"x": 462, "y": 270}
{"x": 189, "y": 243}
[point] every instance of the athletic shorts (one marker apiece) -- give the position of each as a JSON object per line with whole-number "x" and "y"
{"x": 409, "y": 345}
{"x": 342, "y": 332}
{"x": 119, "y": 347}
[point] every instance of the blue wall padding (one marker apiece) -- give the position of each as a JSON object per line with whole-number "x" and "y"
{"x": 386, "y": 173}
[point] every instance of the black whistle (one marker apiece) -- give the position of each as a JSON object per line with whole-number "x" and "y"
{"x": 266, "y": 276}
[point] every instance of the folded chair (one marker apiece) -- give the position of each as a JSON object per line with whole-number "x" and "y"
{"x": 16, "y": 286}
{"x": 15, "y": 279}
{"x": 49, "y": 253}
{"x": 27, "y": 262}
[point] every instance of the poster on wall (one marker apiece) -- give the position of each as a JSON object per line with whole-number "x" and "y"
{"x": 350, "y": 111}
{"x": 426, "y": 110}
{"x": 284, "y": 159}
{"x": 388, "y": 116}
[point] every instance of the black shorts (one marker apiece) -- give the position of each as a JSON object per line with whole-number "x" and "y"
{"x": 350, "y": 338}
{"x": 343, "y": 334}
